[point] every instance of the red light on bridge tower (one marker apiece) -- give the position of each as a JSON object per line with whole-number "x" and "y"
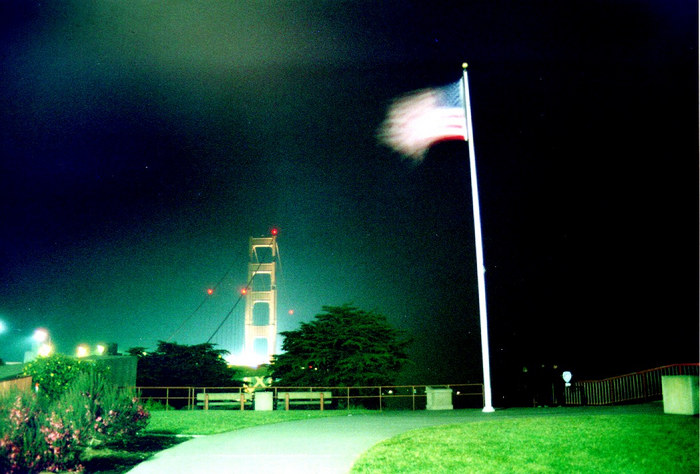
{"x": 274, "y": 231}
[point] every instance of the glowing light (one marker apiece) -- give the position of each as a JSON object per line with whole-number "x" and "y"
{"x": 244, "y": 290}
{"x": 3, "y": 327}
{"x": 82, "y": 351}
{"x": 247, "y": 360}
{"x": 210, "y": 291}
{"x": 40, "y": 335}
{"x": 274, "y": 231}
{"x": 291, "y": 312}
{"x": 45, "y": 350}
{"x": 100, "y": 349}
{"x": 567, "y": 378}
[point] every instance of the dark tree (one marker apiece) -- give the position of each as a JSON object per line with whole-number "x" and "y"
{"x": 173, "y": 364}
{"x": 138, "y": 351}
{"x": 343, "y": 346}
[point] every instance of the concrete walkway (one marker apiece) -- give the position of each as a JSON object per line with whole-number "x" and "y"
{"x": 326, "y": 445}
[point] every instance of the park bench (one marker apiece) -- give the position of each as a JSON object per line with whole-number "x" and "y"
{"x": 209, "y": 399}
{"x": 287, "y": 399}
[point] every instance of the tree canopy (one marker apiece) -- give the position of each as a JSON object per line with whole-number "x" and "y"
{"x": 342, "y": 346}
{"x": 173, "y": 364}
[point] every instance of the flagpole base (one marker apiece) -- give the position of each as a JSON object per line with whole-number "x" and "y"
{"x": 488, "y": 409}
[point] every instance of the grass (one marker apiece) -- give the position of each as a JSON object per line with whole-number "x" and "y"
{"x": 168, "y": 428}
{"x": 592, "y": 443}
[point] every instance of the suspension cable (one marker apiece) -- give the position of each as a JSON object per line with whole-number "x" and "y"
{"x": 200, "y": 304}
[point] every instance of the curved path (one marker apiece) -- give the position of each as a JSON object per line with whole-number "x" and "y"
{"x": 324, "y": 445}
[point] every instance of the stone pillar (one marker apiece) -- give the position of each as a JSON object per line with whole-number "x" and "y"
{"x": 680, "y": 394}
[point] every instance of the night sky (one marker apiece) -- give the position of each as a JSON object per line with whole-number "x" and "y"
{"x": 144, "y": 142}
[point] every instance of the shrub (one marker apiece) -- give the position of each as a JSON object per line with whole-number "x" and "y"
{"x": 33, "y": 440}
{"x": 155, "y": 405}
{"x": 55, "y": 373}
{"x": 106, "y": 413}
{"x": 38, "y": 434}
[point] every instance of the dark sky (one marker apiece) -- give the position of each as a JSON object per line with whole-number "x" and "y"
{"x": 144, "y": 142}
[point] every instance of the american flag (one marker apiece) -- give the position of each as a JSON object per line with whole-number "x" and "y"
{"x": 420, "y": 119}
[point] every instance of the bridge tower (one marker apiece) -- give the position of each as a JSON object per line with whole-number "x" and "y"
{"x": 261, "y": 299}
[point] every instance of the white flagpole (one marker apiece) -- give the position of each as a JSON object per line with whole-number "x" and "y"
{"x": 480, "y": 268}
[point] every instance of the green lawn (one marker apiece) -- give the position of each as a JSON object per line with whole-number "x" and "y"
{"x": 591, "y": 443}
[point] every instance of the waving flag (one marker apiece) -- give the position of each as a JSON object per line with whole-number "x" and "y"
{"x": 420, "y": 119}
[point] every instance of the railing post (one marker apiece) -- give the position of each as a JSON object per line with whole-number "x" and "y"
{"x": 286, "y": 401}
{"x": 413, "y": 397}
{"x": 347, "y": 401}
{"x": 321, "y": 401}
{"x": 167, "y": 397}
{"x": 206, "y": 402}
{"x": 380, "y": 398}
{"x": 242, "y": 401}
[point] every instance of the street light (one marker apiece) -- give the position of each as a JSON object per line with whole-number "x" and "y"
{"x": 567, "y": 378}
{"x": 45, "y": 350}
{"x": 82, "y": 351}
{"x": 40, "y": 335}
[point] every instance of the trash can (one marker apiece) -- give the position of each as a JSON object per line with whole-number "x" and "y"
{"x": 438, "y": 398}
{"x": 680, "y": 394}
{"x": 263, "y": 401}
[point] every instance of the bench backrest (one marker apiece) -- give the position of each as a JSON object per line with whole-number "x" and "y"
{"x": 304, "y": 395}
{"x": 216, "y": 397}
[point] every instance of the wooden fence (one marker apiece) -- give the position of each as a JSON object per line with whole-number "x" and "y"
{"x": 22, "y": 383}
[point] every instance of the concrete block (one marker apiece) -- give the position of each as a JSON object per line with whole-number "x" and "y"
{"x": 438, "y": 398}
{"x": 680, "y": 394}
{"x": 263, "y": 401}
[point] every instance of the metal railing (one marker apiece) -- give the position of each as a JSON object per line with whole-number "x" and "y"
{"x": 170, "y": 397}
{"x": 635, "y": 387}
{"x": 389, "y": 396}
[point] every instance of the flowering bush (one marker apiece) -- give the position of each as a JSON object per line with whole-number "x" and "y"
{"x": 41, "y": 435}
{"x": 33, "y": 440}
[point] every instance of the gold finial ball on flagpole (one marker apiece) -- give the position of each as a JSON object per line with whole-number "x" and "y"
{"x": 464, "y": 65}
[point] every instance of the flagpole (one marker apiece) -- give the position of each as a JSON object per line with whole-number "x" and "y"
{"x": 480, "y": 268}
